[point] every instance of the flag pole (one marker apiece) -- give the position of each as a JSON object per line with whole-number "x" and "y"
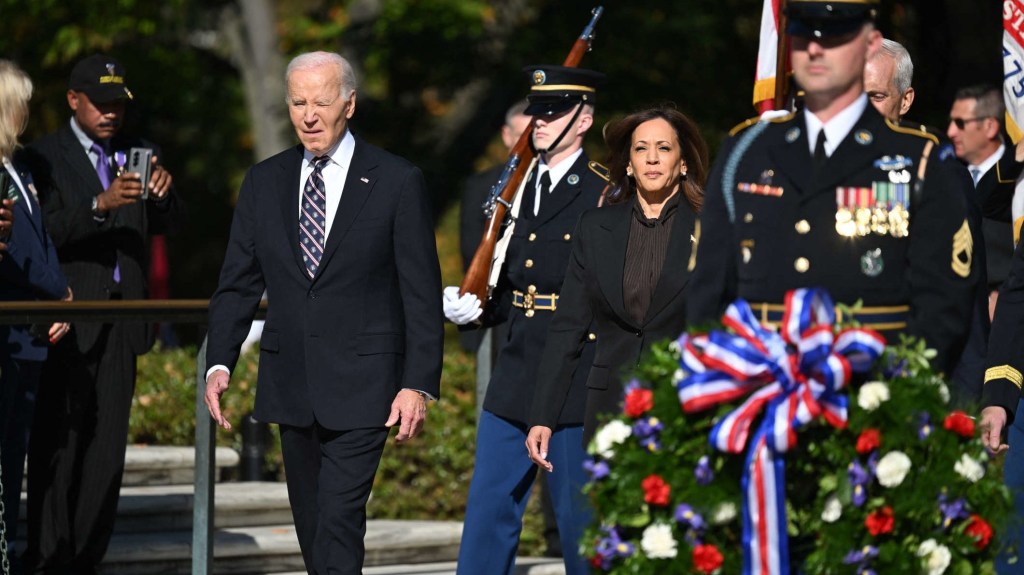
{"x": 781, "y": 59}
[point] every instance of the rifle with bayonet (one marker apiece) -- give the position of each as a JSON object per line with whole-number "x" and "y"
{"x": 504, "y": 191}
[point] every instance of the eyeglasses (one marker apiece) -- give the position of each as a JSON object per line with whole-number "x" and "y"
{"x": 961, "y": 122}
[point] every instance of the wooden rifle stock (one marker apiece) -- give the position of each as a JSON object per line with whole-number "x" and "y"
{"x": 476, "y": 279}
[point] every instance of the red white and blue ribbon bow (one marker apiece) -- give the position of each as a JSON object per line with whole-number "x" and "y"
{"x": 789, "y": 378}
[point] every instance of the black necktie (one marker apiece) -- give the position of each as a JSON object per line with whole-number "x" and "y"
{"x": 545, "y": 188}
{"x": 819, "y": 150}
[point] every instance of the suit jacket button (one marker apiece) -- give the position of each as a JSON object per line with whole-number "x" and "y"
{"x": 639, "y": 333}
{"x": 802, "y": 265}
{"x": 592, "y": 336}
{"x": 529, "y": 313}
{"x": 802, "y": 227}
{"x": 529, "y": 263}
{"x": 532, "y": 237}
{"x": 567, "y": 237}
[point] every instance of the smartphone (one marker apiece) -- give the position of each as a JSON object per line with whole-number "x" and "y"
{"x": 139, "y": 162}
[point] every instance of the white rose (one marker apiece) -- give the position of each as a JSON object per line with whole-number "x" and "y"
{"x": 658, "y": 543}
{"x": 892, "y": 468}
{"x": 612, "y": 434}
{"x": 833, "y": 510}
{"x": 724, "y": 513}
{"x": 872, "y": 394}
{"x": 969, "y": 468}
{"x": 936, "y": 557}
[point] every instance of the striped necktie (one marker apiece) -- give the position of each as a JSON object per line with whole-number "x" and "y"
{"x": 313, "y": 217}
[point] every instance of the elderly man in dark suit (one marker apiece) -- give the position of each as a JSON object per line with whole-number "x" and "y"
{"x": 100, "y": 223}
{"x": 339, "y": 233}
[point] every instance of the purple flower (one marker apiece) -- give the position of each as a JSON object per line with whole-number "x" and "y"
{"x": 859, "y": 479}
{"x": 861, "y": 558}
{"x": 612, "y": 546}
{"x": 892, "y": 370}
{"x": 630, "y": 386}
{"x": 924, "y": 429}
{"x": 952, "y": 511}
{"x": 703, "y": 471}
{"x": 646, "y": 430}
{"x": 688, "y": 517}
{"x": 597, "y": 469}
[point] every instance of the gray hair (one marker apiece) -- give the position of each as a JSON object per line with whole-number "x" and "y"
{"x": 989, "y": 101}
{"x": 15, "y": 92}
{"x": 903, "y": 77}
{"x": 310, "y": 60}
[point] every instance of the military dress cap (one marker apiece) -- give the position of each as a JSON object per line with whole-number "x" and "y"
{"x": 822, "y": 18}
{"x": 101, "y": 78}
{"x": 555, "y": 89}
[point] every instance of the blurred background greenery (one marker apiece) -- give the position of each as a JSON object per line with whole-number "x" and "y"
{"x": 436, "y": 77}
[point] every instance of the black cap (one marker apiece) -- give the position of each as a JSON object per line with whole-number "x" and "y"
{"x": 101, "y": 78}
{"x": 555, "y": 89}
{"x": 822, "y": 18}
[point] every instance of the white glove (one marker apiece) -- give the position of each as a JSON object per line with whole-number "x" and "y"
{"x": 460, "y": 310}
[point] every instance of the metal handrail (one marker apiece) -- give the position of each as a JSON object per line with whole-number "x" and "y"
{"x": 171, "y": 310}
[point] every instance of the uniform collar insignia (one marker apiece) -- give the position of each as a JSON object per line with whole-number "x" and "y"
{"x": 573, "y": 179}
{"x": 792, "y": 134}
{"x": 863, "y": 137}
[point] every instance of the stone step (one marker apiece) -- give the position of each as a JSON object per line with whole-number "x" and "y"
{"x": 168, "y": 465}
{"x": 524, "y": 566}
{"x": 275, "y": 549}
{"x": 152, "y": 508}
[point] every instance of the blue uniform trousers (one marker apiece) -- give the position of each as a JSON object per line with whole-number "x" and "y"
{"x": 500, "y": 488}
{"x": 1013, "y": 477}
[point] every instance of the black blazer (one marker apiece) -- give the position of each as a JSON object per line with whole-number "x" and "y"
{"x": 338, "y": 347}
{"x": 89, "y": 250}
{"x": 29, "y": 271}
{"x": 592, "y": 293}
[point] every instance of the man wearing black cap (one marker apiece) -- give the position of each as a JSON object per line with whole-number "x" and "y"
{"x": 100, "y": 224}
{"x": 563, "y": 184}
{"x": 836, "y": 196}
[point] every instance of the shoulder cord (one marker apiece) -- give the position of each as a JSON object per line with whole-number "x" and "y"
{"x": 733, "y": 162}
{"x": 5, "y": 563}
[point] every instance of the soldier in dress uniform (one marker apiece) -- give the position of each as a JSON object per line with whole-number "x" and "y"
{"x": 836, "y": 196}
{"x": 563, "y": 184}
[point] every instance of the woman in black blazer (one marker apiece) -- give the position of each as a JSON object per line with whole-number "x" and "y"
{"x": 629, "y": 266}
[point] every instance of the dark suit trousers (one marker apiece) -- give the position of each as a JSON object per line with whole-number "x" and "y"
{"x": 76, "y": 457}
{"x": 330, "y": 475}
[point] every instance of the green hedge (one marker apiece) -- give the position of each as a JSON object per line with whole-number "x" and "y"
{"x": 425, "y": 479}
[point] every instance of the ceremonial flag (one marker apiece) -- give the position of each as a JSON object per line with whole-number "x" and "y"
{"x": 1013, "y": 66}
{"x": 767, "y": 56}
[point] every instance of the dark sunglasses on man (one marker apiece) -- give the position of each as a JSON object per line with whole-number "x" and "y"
{"x": 961, "y": 122}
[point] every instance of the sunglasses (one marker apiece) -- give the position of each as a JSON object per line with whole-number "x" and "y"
{"x": 961, "y": 122}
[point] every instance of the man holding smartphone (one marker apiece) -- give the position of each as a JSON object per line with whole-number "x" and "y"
{"x": 100, "y": 223}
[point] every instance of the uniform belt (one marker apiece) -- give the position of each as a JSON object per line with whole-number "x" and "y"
{"x": 535, "y": 301}
{"x": 881, "y": 318}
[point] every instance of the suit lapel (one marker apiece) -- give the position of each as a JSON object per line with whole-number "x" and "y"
{"x": 612, "y": 241}
{"x": 291, "y": 171}
{"x": 674, "y": 274}
{"x": 358, "y": 184}
{"x": 36, "y": 216}
{"x": 853, "y": 150}
{"x": 792, "y": 157}
{"x": 79, "y": 161}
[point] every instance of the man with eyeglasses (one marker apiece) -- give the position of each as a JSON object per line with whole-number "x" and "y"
{"x": 976, "y": 130}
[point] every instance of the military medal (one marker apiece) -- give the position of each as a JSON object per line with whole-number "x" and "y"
{"x": 895, "y": 193}
{"x": 844, "y": 218}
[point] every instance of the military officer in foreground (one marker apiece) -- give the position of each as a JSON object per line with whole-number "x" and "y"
{"x": 836, "y": 196}
{"x": 563, "y": 184}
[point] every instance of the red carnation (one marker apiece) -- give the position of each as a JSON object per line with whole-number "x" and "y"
{"x": 656, "y": 491}
{"x": 868, "y": 441}
{"x": 706, "y": 558}
{"x": 959, "y": 423}
{"x": 880, "y": 521}
{"x": 638, "y": 402}
{"x": 980, "y": 530}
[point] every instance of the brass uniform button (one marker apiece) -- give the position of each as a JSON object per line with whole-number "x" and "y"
{"x": 748, "y": 217}
{"x": 529, "y": 313}
{"x": 567, "y": 237}
{"x": 531, "y": 289}
{"x": 529, "y": 263}
{"x": 802, "y": 227}
{"x": 747, "y": 254}
{"x": 532, "y": 237}
{"x": 592, "y": 336}
{"x": 802, "y": 265}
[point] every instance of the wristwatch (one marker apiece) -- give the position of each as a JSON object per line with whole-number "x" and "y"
{"x": 96, "y": 213}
